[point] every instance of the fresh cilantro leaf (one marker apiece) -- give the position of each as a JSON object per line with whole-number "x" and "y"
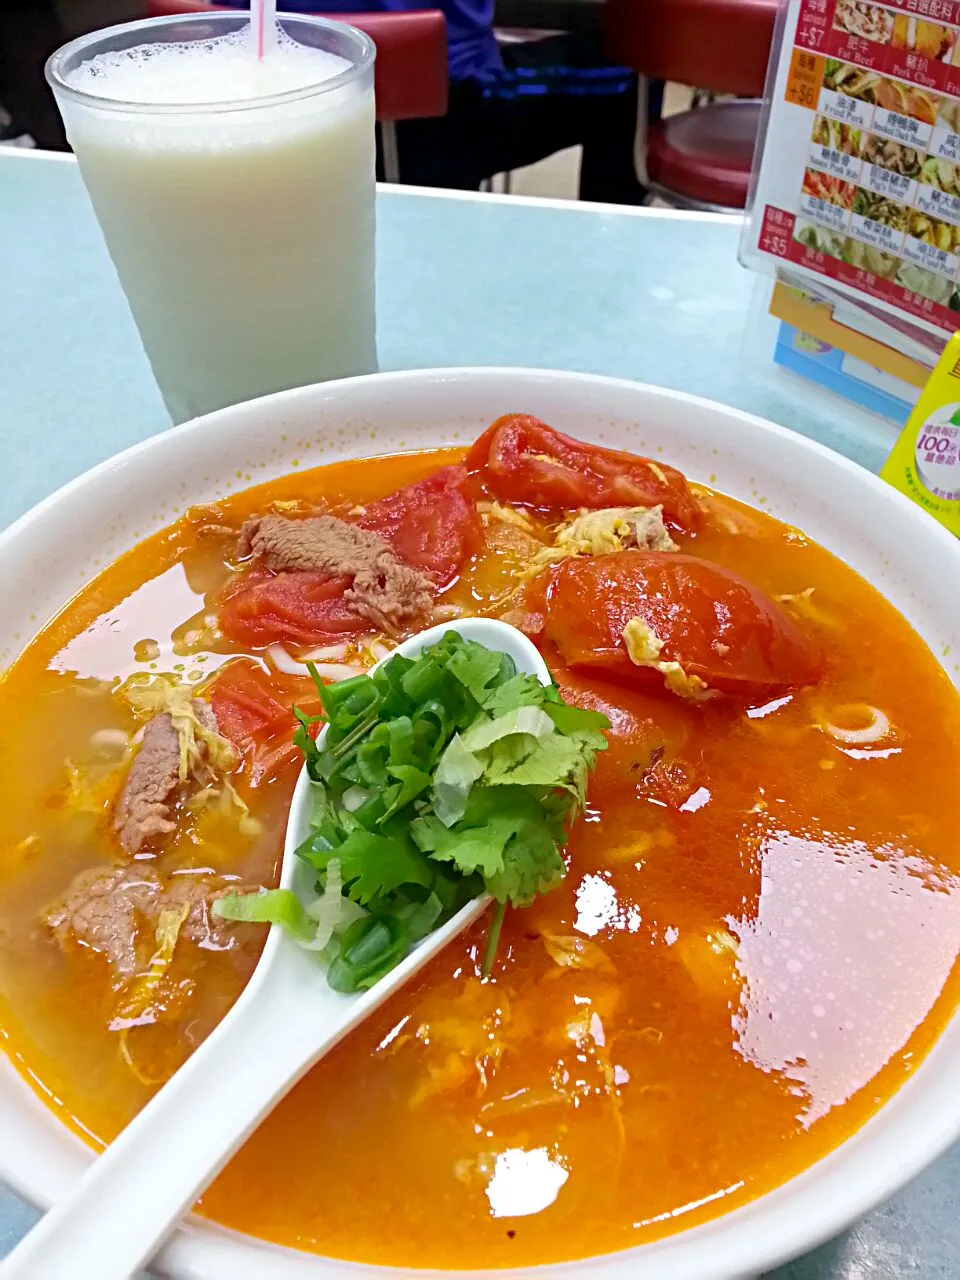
{"x": 554, "y": 762}
{"x": 478, "y": 668}
{"x": 509, "y": 752}
{"x": 375, "y": 865}
{"x": 477, "y": 849}
{"x": 520, "y": 691}
{"x": 532, "y": 865}
{"x": 499, "y": 836}
{"x": 580, "y": 723}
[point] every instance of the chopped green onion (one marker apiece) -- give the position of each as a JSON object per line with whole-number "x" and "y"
{"x": 439, "y": 777}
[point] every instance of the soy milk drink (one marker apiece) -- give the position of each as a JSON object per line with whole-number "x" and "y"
{"x": 235, "y": 196}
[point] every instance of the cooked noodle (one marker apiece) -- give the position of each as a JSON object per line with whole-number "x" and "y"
{"x": 875, "y": 730}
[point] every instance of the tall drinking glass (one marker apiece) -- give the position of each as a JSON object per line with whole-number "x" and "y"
{"x": 236, "y": 196}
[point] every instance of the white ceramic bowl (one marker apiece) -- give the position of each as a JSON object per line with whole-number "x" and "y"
{"x": 52, "y": 551}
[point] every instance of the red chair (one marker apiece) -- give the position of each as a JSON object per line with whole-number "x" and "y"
{"x": 411, "y": 68}
{"x": 699, "y": 159}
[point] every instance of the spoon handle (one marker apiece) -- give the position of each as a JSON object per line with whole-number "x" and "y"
{"x": 137, "y": 1190}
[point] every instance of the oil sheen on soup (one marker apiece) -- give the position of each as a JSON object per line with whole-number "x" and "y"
{"x": 755, "y": 941}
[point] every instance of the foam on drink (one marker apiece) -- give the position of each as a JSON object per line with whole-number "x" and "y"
{"x": 236, "y": 198}
{"x": 220, "y": 69}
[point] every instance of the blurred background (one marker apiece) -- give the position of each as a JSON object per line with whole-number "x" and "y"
{"x": 628, "y": 101}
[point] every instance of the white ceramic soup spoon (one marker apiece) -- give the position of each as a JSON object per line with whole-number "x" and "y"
{"x": 286, "y": 1019}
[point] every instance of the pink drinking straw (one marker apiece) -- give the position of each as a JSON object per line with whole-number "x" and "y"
{"x": 263, "y": 26}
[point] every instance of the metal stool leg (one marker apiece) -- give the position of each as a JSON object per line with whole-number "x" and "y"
{"x": 391, "y": 154}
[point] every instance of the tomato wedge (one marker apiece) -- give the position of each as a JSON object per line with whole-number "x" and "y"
{"x": 715, "y": 624}
{"x": 521, "y": 459}
{"x": 260, "y": 607}
{"x": 254, "y": 710}
{"x": 433, "y": 524}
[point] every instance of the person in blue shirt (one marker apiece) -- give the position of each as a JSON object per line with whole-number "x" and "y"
{"x": 513, "y": 105}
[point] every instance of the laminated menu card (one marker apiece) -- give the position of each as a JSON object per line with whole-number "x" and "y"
{"x": 857, "y": 178}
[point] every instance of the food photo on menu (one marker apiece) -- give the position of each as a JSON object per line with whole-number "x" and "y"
{"x": 480, "y": 690}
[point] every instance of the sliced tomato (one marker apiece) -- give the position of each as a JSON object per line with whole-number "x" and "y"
{"x": 245, "y": 704}
{"x": 254, "y": 710}
{"x": 717, "y": 625}
{"x": 521, "y": 459}
{"x": 432, "y": 525}
{"x": 260, "y": 607}
{"x": 529, "y": 608}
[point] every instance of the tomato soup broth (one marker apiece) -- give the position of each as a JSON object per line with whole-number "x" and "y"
{"x": 753, "y": 947}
